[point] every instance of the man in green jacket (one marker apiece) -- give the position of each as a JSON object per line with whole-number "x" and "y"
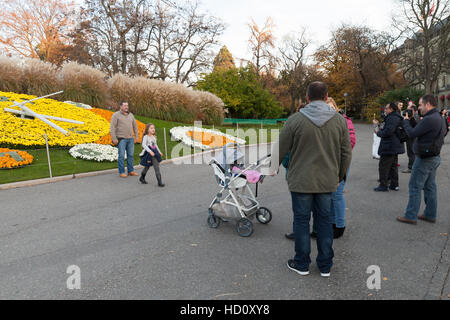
{"x": 318, "y": 142}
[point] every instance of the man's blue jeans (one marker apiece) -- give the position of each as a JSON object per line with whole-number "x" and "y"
{"x": 320, "y": 204}
{"x": 423, "y": 177}
{"x": 128, "y": 146}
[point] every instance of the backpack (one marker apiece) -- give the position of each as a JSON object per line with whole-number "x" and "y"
{"x": 401, "y": 134}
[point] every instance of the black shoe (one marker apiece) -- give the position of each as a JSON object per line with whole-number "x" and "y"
{"x": 338, "y": 232}
{"x": 142, "y": 180}
{"x": 290, "y": 236}
{"x": 394, "y": 188}
{"x": 160, "y": 184}
{"x": 381, "y": 189}
{"x": 313, "y": 235}
{"x": 292, "y": 265}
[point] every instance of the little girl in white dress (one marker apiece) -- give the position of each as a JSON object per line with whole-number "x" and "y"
{"x": 150, "y": 155}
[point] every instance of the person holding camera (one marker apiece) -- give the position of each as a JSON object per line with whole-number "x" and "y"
{"x": 430, "y": 133}
{"x": 390, "y": 148}
{"x": 411, "y": 112}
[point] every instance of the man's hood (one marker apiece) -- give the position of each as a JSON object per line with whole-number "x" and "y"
{"x": 319, "y": 112}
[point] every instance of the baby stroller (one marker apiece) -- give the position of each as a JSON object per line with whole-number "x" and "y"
{"x": 236, "y": 201}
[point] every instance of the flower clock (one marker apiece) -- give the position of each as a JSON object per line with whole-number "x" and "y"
{"x": 28, "y": 131}
{"x": 11, "y": 159}
{"x": 95, "y": 152}
{"x": 203, "y": 138}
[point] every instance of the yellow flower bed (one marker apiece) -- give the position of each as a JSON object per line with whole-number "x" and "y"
{"x": 10, "y": 159}
{"x": 30, "y": 132}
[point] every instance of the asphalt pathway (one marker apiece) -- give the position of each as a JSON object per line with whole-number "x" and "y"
{"x": 132, "y": 241}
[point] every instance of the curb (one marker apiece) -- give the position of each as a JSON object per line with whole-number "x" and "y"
{"x": 36, "y": 182}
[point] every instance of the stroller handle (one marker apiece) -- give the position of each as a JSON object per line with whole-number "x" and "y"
{"x": 231, "y": 144}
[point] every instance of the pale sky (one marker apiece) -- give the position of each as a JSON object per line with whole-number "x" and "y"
{"x": 319, "y": 17}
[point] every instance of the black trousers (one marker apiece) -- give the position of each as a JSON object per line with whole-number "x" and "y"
{"x": 411, "y": 155}
{"x": 388, "y": 169}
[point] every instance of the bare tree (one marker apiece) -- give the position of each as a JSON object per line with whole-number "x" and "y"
{"x": 425, "y": 25}
{"x": 158, "y": 39}
{"x": 118, "y": 33}
{"x": 294, "y": 70}
{"x": 183, "y": 41}
{"x": 36, "y": 28}
{"x": 261, "y": 42}
{"x": 386, "y": 58}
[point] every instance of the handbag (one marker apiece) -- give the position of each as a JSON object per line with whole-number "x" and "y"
{"x": 146, "y": 158}
{"x": 401, "y": 134}
{"x": 376, "y": 146}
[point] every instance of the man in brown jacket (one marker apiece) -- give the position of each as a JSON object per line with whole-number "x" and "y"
{"x": 123, "y": 124}
{"x": 318, "y": 143}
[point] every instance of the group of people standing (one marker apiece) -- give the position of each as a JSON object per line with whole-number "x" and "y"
{"x": 423, "y": 130}
{"x": 123, "y": 126}
{"x": 315, "y": 146}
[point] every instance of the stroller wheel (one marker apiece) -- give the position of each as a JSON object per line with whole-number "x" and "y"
{"x": 244, "y": 227}
{"x": 213, "y": 221}
{"x": 264, "y": 215}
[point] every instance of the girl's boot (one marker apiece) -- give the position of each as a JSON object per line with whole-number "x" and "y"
{"x": 142, "y": 178}
{"x": 158, "y": 177}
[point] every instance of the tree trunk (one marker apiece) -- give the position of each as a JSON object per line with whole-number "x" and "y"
{"x": 292, "y": 104}
{"x": 124, "y": 54}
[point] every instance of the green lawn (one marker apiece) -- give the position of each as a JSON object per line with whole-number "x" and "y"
{"x": 64, "y": 164}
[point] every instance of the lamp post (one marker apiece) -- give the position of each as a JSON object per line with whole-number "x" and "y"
{"x": 345, "y": 97}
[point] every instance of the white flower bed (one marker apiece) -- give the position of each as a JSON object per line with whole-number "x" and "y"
{"x": 96, "y": 152}
{"x": 180, "y": 134}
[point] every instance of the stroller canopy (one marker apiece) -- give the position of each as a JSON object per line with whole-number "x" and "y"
{"x": 229, "y": 155}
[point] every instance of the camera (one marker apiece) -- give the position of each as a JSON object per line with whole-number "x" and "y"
{"x": 408, "y": 112}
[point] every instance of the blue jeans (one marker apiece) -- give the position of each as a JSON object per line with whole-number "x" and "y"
{"x": 338, "y": 206}
{"x": 320, "y": 204}
{"x": 423, "y": 177}
{"x": 128, "y": 146}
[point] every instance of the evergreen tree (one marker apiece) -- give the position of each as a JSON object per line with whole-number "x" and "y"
{"x": 224, "y": 60}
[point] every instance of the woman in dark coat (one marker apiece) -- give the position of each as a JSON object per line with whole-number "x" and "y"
{"x": 390, "y": 148}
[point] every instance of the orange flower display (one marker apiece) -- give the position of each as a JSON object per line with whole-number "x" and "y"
{"x": 210, "y": 139}
{"x": 203, "y": 138}
{"x": 108, "y": 115}
{"x": 10, "y": 159}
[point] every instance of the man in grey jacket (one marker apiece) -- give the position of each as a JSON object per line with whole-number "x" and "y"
{"x": 318, "y": 142}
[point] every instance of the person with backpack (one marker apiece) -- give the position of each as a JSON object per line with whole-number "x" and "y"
{"x": 390, "y": 148}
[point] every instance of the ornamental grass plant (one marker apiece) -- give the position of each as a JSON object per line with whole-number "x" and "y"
{"x": 39, "y": 78}
{"x": 84, "y": 84}
{"x": 166, "y": 100}
{"x": 10, "y": 74}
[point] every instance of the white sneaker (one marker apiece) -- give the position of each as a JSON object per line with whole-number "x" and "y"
{"x": 325, "y": 275}
{"x": 291, "y": 265}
